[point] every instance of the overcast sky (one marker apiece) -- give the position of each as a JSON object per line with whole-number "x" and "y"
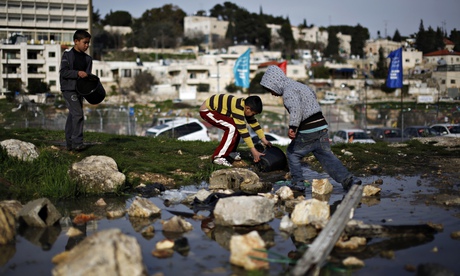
{"x": 377, "y": 15}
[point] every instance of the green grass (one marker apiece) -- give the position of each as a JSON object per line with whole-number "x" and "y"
{"x": 47, "y": 175}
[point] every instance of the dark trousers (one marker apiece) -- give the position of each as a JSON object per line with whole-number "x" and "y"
{"x": 75, "y": 118}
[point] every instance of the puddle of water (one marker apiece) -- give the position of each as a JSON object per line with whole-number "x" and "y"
{"x": 209, "y": 254}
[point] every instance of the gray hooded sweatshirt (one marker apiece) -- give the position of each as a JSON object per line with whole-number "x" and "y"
{"x": 299, "y": 100}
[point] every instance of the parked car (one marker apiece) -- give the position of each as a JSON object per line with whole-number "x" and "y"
{"x": 182, "y": 128}
{"x": 447, "y": 130}
{"x": 327, "y": 101}
{"x": 275, "y": 139}
{"x": 351, "y": 99}
{"x": 354, "y": 135}
{"x": 446, "y": 99}
{"x": 419, "y": 131}
{"x": 387, "y": 134}
{"x": 331, "y": 96}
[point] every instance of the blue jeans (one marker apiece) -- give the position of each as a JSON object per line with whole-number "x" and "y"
{"x": 318, "y": 144}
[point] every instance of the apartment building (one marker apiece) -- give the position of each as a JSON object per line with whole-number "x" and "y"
{"x": 33, "y": 35}
{"x": 210, "y": 27}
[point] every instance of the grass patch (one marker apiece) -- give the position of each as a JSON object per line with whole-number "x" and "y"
{"x": 47, "y": 175}
{"x": 136, "y": 155}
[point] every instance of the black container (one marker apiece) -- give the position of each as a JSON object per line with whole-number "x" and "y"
{"x": 91, "y": 89}
{"x": 273, "y": 160}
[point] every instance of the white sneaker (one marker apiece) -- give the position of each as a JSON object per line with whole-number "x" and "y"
{"x": 222, "y": 161}
{"x": 235, "y": 155}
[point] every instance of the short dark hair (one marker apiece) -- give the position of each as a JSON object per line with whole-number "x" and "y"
{"x": 81, "y": 34}
{"x": 255, "y": 103}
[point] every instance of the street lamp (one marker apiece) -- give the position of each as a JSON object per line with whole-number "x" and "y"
{"x": 218, "y": 75}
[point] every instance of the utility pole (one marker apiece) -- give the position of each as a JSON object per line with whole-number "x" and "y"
{"x": 218, "y": 76}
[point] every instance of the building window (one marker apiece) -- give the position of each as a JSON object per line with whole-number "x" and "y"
{"x": 443, "y": 81}
{"x": 52, "y": 68}
{"x": 452, "y": 81}
{"x": 52, "y": 54}
{"x": 126, "y": 73}
{"x": 68, "y": 7}
{"x": 52, "y": 82}
{"x": 82, "y": 8}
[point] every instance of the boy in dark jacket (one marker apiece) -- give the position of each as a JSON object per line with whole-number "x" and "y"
{"x": 230, "y": 114}
{"x": 75, "y": 64}
{"x": 308, "y": 129}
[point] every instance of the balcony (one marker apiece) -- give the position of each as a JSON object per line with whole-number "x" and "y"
{"x": 449, "y": 68}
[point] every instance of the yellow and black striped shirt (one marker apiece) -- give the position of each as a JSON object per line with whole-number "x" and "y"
{"x": 233, "y": 107}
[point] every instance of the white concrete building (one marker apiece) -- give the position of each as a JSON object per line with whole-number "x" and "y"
{"x": 210, "y": 27}
{"x": 33, "y": 34}
{"x": 313, "y": 34}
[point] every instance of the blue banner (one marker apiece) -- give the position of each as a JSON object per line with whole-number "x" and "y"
{"x": 395, "y": 72}
{"x": 241, "y": 70}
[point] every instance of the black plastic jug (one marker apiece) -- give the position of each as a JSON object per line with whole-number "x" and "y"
{"x": 273, "y": 160}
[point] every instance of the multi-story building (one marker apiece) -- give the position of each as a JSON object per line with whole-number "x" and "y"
{"x": 33, "y": 35}
{"x": 210, "y": 28}
{"x": 445, "y": 65}
{"x": 313, "y": 34}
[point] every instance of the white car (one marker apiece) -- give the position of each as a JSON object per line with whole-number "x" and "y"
{"x": 182, "y": 128}
{"x": 327, "y": 101}
{"x": 275, "y": 139}
{"x": 353, "y": 135}
{"x": 447, "y": 130}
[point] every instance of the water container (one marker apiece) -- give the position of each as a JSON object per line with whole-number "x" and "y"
{"x": 273, "y": 160}
{"x": 91, "y": 89}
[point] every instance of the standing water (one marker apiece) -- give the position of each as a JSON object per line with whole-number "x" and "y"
{"x": 402, "y": 201}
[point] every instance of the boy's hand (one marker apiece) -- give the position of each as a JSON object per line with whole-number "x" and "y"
{"x": 256, "y": 154}
{"x": 82, "y": 74}
{"x": 291, "y": 133}
{"x": 266, "y": 142}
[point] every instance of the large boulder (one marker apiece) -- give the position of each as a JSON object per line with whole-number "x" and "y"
{"x": 7, "y": 226}
{"x": 309, "y": 211}
{"x": 22, "y": 150}
{"x": 235, "y": 179}
{"x": 97, "y": 174}
{"x": 109, "y": 252}
{"x": 243, "y": 210}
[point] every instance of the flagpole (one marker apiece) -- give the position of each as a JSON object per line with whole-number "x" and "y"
{"x": 402, "y": 116}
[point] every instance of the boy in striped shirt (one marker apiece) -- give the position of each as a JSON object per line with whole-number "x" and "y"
{"x": 231, "y": 114}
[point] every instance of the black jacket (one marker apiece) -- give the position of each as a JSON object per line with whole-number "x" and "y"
{"x": 67, "y": 75}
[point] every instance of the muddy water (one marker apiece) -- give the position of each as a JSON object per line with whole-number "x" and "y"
{"x": 398, "y": 204}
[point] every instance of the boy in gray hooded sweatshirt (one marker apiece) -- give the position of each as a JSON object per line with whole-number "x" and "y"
{"x": 307, "y": 129}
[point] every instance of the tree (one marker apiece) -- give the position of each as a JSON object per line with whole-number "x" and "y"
{"x": 320, "y": 72}
{"x": 381, "y": 71}
{"x": 288, "y": 38}
{"x": 455, "y": 38}
{"x": 421, "y": 38}
{"x": 254, "y": 85}
{"x": 397, "y": 36}
{"x": 332, "y": 49}
{"x": 36, "y": 86}
{"x": 96, "y": 17}
{"x": 165, "y": 25}
{"x": 243, "y": 27}
{"x": 231, "y": 88}
{"x": 143, "y": 82}
{"x": 118, "y": 18}
{"x": 359, "y": 35}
